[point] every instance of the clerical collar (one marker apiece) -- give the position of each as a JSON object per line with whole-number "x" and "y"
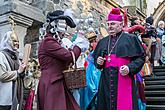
{"x": 117, "y": 35}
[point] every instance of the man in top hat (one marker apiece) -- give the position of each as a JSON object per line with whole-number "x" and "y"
{"x": 119, "y": 56}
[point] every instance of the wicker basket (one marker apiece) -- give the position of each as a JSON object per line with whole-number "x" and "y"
{"x": 75, "y": 77}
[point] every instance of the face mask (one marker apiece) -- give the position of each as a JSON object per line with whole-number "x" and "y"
{"x": 58, "y": 26}
{"x": 14, "y": 41}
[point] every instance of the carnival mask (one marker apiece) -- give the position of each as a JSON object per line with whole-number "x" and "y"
{"x": 14, "y": 41}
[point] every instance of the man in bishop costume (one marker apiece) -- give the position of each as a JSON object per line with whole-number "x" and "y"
{"x": 119, "y": 56}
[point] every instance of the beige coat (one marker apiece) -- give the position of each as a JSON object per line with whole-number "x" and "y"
{"x": 6, "y": 78}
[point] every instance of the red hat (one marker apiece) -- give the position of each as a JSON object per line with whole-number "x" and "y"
{"x": 114, "y": 15}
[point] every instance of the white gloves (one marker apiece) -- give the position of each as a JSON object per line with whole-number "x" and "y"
{"x": 124, "y": 70}
{"x": 82, "y": 43}
{"x": 66, "y": 43}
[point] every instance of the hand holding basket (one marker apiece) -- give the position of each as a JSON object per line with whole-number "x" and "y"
{"x": 75, "y": 77}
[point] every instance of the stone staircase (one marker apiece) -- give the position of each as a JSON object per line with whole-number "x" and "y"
{"x": 155, "y": 89}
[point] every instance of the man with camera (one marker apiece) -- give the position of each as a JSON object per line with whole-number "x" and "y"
{"x": 150, "y": 39}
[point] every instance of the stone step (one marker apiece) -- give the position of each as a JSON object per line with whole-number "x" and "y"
{"x": 159, "y": 67}
{"x": 156, "y": 99}
{"x": 159, "y": 70}
{"x": 155, "y": 87}
{"x": 159, "y": 73}
{"x": 155, "y": 82}
{"x": 154, "y": 78}
{"x": 155, "y": 107}
{"x": 155, "y": 93}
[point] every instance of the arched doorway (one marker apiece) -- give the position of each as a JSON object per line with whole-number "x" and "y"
{"x": 159, "y": 13}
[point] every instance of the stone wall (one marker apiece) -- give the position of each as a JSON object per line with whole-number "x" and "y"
{"x": 151, "y": 5}
{"x": 24, "y": 15}
{"x": 30, "y": 14}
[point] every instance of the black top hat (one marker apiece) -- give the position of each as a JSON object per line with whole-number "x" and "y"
{"x": 59, "y": 15}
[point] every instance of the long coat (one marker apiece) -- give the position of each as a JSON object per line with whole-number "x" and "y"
{"x": 52, "y": 91}
{"x": 7, "y": 76}
{"x": 117, "y": 92}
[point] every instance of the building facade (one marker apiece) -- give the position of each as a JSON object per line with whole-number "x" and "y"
{"x": 30, "y": 14}
{"x": 156, "y": 8}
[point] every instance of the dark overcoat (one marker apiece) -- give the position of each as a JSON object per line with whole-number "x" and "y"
{"x": 52, "y": 91}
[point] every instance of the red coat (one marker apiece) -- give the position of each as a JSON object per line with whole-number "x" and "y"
{"x": 52, "y": 91}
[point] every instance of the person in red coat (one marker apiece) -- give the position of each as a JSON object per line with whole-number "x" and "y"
{"x": 54, "y": 58}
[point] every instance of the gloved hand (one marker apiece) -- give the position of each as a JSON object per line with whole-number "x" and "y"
{"x": 82, "y": 43}
{"x": 66, "y": 43}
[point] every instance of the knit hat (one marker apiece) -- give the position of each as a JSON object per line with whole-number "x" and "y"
{"x": 114, "y": 15}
